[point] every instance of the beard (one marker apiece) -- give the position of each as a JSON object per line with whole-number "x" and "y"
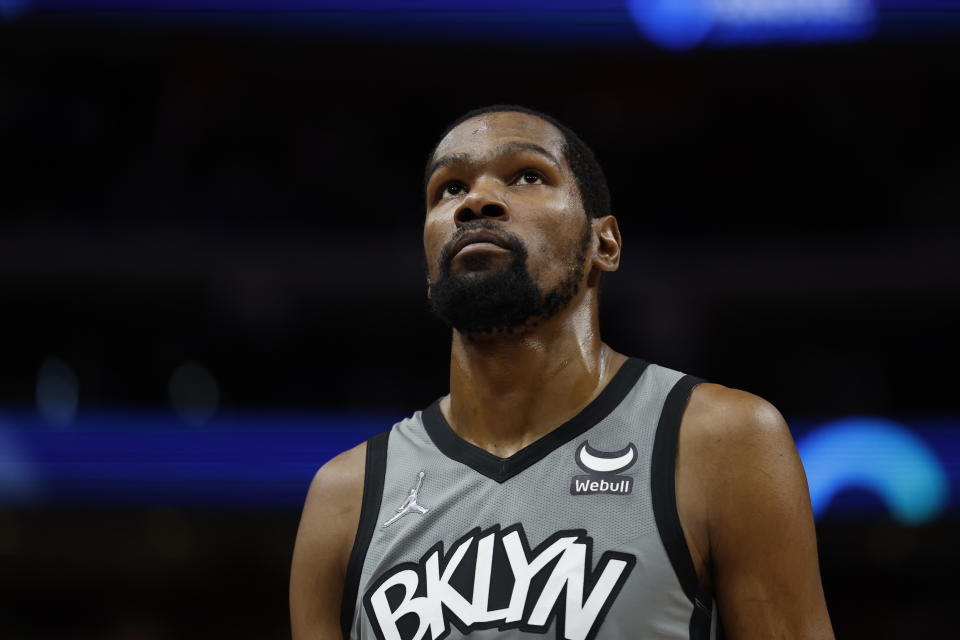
{"x": 500, "y": 300}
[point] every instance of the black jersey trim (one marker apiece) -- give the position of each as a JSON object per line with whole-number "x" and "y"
{"x": 502, "y": 469}
{"x": 701, "y": 617}
{"x": 664, "y": 496}
{"x": 373, "y": 478}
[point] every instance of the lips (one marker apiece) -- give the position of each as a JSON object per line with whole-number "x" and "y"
{"x": 478, "y": 236}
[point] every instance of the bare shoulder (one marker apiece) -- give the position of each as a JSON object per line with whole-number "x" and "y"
{"x": 733, "y": 418}
{"x": 325, "y": 538}
{"x": 334, "y": 499}
{"x": 744, "y": 495}
{"x": 343, "y": 472}
{"x": 736, "y": 448}
{"x": 723, "y": 427}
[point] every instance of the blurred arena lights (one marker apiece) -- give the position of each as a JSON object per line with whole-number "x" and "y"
{"x": 11, "y": 9}
{"x": 676, "y": 25}
{"x": 57, "y": 392}
{"x": 194, "y": 393}
{"x": 684, "y": 24}
{"x": 878, "y": 455}
{"x": 906, "y": 470}
{"x": 18, "y": 479}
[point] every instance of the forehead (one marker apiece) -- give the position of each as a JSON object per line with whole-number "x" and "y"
{"x": 489, "y": 130}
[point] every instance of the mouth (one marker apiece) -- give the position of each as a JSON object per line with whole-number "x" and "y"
{"x": 478, "y": 241}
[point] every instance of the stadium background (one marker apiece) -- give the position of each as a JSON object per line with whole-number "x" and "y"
{"x": 211, "y": 276}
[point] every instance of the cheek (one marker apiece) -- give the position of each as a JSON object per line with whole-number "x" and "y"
{"x": 560, "y": 236}
{"x": 433, "y": 241}
{"x": 547, "y": 256}
{"x": 554, "y": 254}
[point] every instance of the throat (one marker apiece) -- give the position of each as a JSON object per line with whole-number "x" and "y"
{"x": 503, "y": 406}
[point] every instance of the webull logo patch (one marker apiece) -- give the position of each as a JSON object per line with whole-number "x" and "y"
{"x": 602, "y": 468}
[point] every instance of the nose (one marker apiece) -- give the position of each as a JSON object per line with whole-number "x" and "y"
{"x": 480, "y": 204}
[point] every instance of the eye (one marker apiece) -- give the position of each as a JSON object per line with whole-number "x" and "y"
{"x": 452, "y": 189}
{"x": 530, "y": 177}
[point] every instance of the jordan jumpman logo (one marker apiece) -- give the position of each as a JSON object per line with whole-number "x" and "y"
{"x": 410, "y": 504}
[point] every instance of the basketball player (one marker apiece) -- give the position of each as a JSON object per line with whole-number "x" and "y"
{"x": 561, "y": 489}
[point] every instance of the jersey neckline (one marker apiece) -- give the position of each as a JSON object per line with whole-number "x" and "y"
{"x": 502, "y": 469}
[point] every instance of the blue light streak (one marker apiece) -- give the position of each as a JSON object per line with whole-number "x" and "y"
{"x": 153, "y": 458}
{"x": 266, "y": 460}
{"x": 671, "y": 24}
{"x": 684, "y": 24}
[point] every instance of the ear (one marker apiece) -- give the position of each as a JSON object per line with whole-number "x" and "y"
{"x": 607, "y": 244}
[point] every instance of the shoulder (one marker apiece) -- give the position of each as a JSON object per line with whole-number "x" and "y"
{"x": 324, "y": 541}
{"x": 732, "y": 423}
{"x": 743, "y": 500}
{"x": 740, "y": 467}
{"x": 735, "y": 453}
{"x": 341, "y": 472}
{"x": 331, "y": 511}
{"x": 338, "y": 485}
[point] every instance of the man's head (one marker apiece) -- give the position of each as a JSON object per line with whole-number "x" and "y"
{"x": 517, "y": 221}
{"x": 591, "y": 181}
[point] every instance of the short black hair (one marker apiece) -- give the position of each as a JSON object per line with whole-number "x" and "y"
{"x": 592, "y": 184}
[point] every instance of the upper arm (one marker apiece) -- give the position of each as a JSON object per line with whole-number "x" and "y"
{"x": 328, "y": 525}
{"x": 756, "y": 516}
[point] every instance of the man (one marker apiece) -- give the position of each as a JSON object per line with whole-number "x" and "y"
{"x": 561, "y": 489}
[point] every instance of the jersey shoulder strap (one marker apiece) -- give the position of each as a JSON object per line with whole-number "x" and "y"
{"x": 373, "y": 478}
{"x": 664, "y": 499}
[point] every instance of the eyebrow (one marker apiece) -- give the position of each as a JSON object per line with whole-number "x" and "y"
{"x": 502, "y": 150}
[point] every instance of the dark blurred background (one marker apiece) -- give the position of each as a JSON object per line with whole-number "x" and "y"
{"x": 211, "y": 277}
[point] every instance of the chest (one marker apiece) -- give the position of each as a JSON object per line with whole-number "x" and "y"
{"x": 553, "y": 544}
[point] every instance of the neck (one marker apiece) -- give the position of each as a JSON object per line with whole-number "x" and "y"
{"x": 508, "y": 391}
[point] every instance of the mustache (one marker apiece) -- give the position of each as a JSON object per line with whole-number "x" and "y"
{"x": 513, "y": 241}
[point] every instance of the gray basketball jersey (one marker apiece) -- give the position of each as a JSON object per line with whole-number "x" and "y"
{"x": 574, "y": 537}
